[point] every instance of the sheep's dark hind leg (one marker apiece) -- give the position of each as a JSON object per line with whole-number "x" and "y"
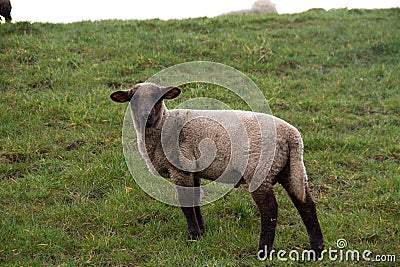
{"x": 268, "y": 208}
{"x": 308, "y": 213}
{"x": 199, "y": 217}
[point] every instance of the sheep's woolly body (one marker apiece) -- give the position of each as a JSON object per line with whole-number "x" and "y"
{"x": 5, "y": 9}
{"x": 286, "y": 149}
{"x": 226, "y": 146}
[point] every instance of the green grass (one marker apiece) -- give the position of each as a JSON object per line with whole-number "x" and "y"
{"x": 66, "y": 195}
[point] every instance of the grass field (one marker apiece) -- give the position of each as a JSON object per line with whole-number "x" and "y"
{"x": 68, "y": 199}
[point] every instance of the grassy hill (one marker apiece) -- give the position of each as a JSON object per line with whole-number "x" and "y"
{"x": 68, "y": 199}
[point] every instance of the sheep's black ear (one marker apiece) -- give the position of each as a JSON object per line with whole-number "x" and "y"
{"x": 121, "y": 96}
{"x": 171, "y": 92}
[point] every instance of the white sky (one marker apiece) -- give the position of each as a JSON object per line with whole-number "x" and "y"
{"x": 78, "y": 10}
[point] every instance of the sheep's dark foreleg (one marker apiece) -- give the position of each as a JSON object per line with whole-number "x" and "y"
{"x": 308, "y": 214}
{"x": 189, "y": 199}
{"x": 268, "y": 208}
{"x": 193, "y": 226}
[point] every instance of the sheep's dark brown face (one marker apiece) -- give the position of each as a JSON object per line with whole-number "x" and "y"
{"x": 146, "y": 101}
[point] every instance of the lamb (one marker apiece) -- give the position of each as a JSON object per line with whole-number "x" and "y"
{"x": 153, "y": 122}
{"x": 5, "y": 10}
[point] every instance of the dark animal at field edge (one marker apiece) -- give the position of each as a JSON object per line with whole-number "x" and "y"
{"x": 5, "y": 10}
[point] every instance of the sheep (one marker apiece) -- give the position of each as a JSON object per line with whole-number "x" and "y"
{"x": 151, "y": 118}
{"x": 5, "y": 10}
{"x": 259, "y": 7}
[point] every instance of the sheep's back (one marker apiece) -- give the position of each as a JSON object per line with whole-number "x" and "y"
{"x": 240, "y": 138}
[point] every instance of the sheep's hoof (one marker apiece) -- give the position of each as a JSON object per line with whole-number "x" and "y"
{"x": 190, "y": 241}
{"x": 318, "y": 251}
{"x": 192, "y": 237}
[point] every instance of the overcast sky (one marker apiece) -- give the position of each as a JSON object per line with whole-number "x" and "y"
{"x": 78, "y": 10}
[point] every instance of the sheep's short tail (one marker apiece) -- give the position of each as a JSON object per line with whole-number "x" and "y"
{"x": 298, "y": 175}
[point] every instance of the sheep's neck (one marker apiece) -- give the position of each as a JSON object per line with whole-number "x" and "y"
{"x": 153, "y": 134}
{"x": 152, "y": 140}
